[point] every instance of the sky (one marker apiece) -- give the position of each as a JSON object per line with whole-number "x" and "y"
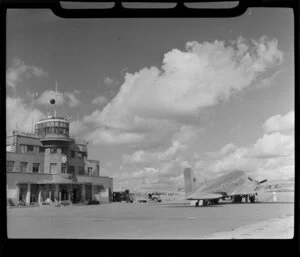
{"x": 153, "y": 96}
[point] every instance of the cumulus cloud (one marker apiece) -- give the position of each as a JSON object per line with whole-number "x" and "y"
{"x": 20, "y": 70}
{"x": 60, "y": 98}
{"x": 188, "y": 80}
{"x": 100, "y": 100}
{"x": 113, "y": 137}
{"x": 268, "y": 157}
{"x": 225, "y": 150}
{"x": 72, "y": 100}
{"x": 179, "y": 143}
{"x": 272, "y": 145}
{"x": 201, "y": 76}
{"x": 77, "y": 127}
{"x": 144, "y": 157}
{"x": 21, "y": 115}
{"x": 110, "y": 81}
{"x": 166, "y": 175}
{"x": 280, "y": 123}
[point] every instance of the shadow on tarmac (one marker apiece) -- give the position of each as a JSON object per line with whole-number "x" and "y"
{"x": 190, "y": 206}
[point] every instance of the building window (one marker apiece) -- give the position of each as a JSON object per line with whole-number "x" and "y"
{"x": 80, "y": 155}
{"x": 23, "y": 166}
{"x": 23, "y": 148}
{"x": 29, "y": 148}
{"x": 64, "y": 150}
{"x": 53, "y": 150}
{"x": 71, "y": 169}
{"x": 80, "y": 170}
{"x": 90, "y": 171}
{"x": 35, "y": 168}
{"x": 42, "y": 149}
{"x": 10, "y": 166}
{"x": 36, "y": 149}
{"x": 63, "y": 168}
{"x": 53, "y": 168}
{"x": 72, "y": 154}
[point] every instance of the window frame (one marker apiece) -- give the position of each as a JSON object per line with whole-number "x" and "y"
{"x": 51, "y": 165}
{"x": 34, "y": 166}
{"x": 21, "y": 167}
{"x": 13, "y": 166}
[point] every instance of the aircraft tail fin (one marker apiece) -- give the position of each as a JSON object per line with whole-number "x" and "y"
{"x": 189, "y": 181}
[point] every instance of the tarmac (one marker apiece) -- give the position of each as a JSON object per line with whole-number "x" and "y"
{"x": 153, "y": 221}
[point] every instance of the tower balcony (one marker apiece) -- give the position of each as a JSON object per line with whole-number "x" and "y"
{"x": 55, "y": 139}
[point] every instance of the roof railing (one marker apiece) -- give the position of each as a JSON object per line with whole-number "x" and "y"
{"x": 23, "y": 133}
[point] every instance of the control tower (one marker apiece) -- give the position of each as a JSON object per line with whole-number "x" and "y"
{"x": 50, "y": 164}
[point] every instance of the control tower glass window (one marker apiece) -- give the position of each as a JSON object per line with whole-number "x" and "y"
{"x": 53, "y": 150}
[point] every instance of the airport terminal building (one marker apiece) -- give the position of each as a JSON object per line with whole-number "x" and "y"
{"x": 50, "y": 164}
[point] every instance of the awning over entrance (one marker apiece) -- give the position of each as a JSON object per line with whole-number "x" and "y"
{"x": 55, "y": 181}
{"x": 61, "y": 181}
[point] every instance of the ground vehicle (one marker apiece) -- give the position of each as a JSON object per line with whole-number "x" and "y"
{"x": 154, "y": 197}
{"x": 122, "y": 196}
{"x": 147, "y": 197}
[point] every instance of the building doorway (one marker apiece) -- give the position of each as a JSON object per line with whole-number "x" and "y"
{"x": 76, "y": 195}
{"x": 64, "y": 195}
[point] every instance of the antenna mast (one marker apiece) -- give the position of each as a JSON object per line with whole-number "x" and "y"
{"x": 52, "y": 101}
{"x": 55, "y": 97}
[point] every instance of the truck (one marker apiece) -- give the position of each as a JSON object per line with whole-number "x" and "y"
{"x": 147, "y": 197}
{"x": 123, "y": 196}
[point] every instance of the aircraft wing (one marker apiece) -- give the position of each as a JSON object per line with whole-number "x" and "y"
{"x": 245, "y": 189}
{"x": 203, "y": 196}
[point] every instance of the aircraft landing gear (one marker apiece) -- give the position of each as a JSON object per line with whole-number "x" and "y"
{"x": 215, "y": 201}
{"x": 237, "y": 199}
{"x": 197, "y": 204}
{"x": 252, "y": 198}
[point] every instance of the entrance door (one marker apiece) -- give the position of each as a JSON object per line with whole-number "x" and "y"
{"x": 75, "y": 195}
{"x": 64, "y": 195}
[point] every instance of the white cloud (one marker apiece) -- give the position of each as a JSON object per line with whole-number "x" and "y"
{"x": 72, "y": 100}
{"x": 272, "y": 145}
{"x": 19, "y": 70}
{"x": 268, "y": 81}
{"x": 100, "y": 100}
{"x": 199, "y": 77}
{"x": 60, "y": 98}
{"x": 280, "y": 123}
{"x": 21, "y": 115}
{"x": 110, "y": 81}
{"x": 77, "y": 127}
{"x": 268, "y": 157}
{"x": 179, "y": 143}
{"x": 167, "y": 175}
{"x": 225, "y": 150}
{"x": 144, "y": 157}
{"x": 114, "y": 137}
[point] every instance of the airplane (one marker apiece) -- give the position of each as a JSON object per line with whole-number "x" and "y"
{"x": 236, "y": 185}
